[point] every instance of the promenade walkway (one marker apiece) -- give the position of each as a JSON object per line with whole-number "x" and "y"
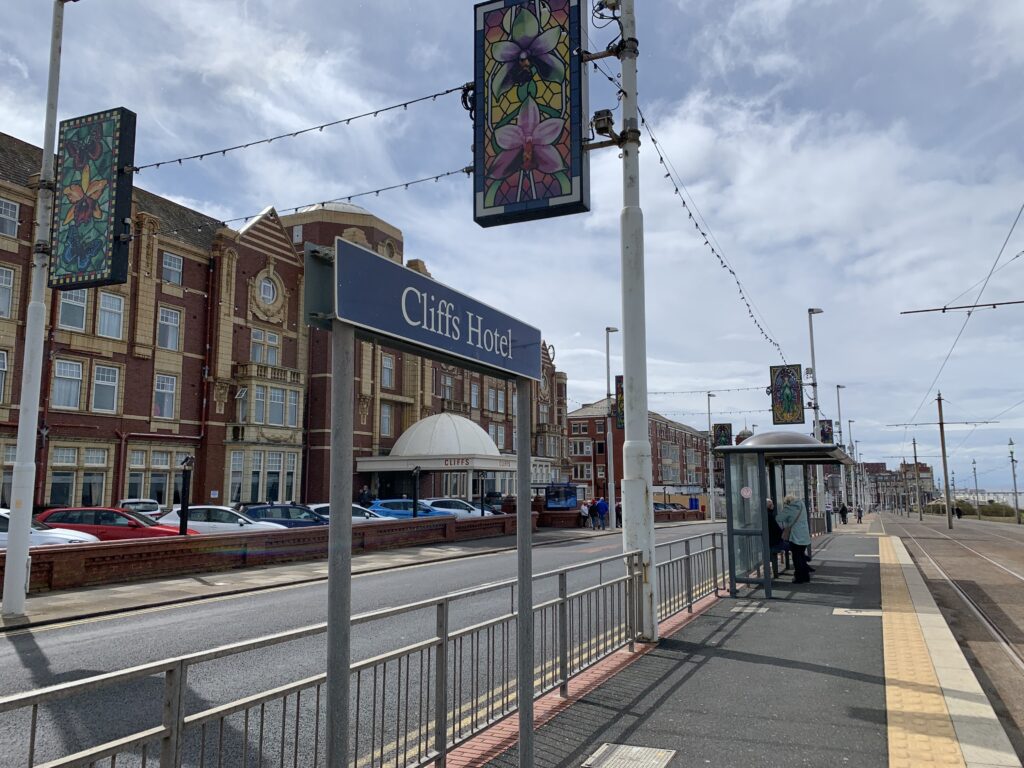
{"x": 856, "y": 668}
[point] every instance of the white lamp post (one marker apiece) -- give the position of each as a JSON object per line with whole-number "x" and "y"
{"x": 711, "y": 463}
{"x": 609, "y": 436}
{"x": 820, "y": 485}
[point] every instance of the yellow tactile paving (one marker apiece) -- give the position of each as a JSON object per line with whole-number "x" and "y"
{"x": 920, "y": 729}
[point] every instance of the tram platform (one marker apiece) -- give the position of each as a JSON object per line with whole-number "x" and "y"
{"x": 856, "y": 668}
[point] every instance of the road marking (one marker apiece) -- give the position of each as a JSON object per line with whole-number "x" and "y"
{"x": 865, "y": 555}
{"x": 856, "y": 611}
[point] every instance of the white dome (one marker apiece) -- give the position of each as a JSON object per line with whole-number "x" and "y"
{"x": 445, "y": 435}
{"x": 341, "y": 207}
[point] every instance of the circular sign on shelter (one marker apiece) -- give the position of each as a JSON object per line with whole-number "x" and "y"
{"x": 746, "y": 492}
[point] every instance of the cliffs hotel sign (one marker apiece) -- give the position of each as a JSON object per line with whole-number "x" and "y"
{"x": 388, "y": 299}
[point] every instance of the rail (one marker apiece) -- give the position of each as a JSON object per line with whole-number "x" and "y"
{"x": 451, "y": 676}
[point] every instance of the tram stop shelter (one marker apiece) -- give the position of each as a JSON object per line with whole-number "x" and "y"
{"x": 768, "y": 465}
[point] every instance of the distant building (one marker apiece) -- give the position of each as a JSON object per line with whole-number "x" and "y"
{"x": 678, "y": 452}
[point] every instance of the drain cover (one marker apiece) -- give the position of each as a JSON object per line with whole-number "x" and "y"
{"x": 624, "y": 756}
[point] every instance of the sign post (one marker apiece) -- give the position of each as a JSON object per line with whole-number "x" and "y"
{"x": 377, "y": 298}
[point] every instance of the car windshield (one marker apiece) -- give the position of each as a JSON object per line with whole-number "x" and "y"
{"x": 141, "y": 506}
{"x": 38, "y": 526}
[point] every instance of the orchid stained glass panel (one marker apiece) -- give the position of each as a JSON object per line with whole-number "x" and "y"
{"x": 529, "y": 111}
{"x": 787, "y": 394}
{"x": 722, "y": 434}
{"x": 827, "y": 435}
{"x": 93, "y": 199}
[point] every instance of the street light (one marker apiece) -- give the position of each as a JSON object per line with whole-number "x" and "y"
{"x": 1013, "y": 468}
{"x": 839, "y": 425}
{"x": 711, "y": 463}
{"x": 820, "y": 485}
{"x": 977, "y": 496}
{"x": 853, "y": 452}
{"x": 609, "y": 437}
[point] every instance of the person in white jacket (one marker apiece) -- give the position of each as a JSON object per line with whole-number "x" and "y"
{"x": 795, "y": 530}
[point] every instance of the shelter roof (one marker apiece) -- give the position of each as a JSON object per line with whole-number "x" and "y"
{"x": 790, "y": 446}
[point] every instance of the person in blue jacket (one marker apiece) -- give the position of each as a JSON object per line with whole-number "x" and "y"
{"x": 602, "y": 511}
{"x": 793, "y": 519}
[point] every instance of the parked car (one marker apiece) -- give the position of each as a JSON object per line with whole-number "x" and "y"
{"x": 360, "y": 514}
{"x": 458, "y": 507}
{"x": 402, "y": 508}
{"x": 288, "y": 515}
{"x": 147, "y": 507}
{"x": 107, "y": 523}
{"x": 210, "y": 518}
{"x": 40, "y": 534}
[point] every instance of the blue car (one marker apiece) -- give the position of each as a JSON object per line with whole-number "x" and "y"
{"x": 402, "y": 508}
{"x": 288, "y": 515}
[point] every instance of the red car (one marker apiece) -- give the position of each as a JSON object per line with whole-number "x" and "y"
{"x": 107, "y": 523}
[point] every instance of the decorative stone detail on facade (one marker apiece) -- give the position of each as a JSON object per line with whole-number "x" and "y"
{"x": 364, "y": 409}
{"x": 276, "y": 312}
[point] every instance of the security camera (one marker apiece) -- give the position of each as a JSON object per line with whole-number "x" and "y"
{"x": 604, "y": 123}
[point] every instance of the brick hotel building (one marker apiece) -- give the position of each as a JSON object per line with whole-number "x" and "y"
{"x": 204, "y": 352}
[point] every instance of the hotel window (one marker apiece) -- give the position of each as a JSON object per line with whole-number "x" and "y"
{"x": 275, "y": 413}
{"x": 599, "y": 448}
{"x": 492, "y": 430}
{"x": 92, "y": 488}
{"x": 501, "y": 401}
{"x": 575, "y": 428}
{"x": 268, "y": 291}
{"x": 6, "y": 291}
{"x": 62, "y": 489}
{"x": 599, "y": 427}
{"x": 163, "y": 397}
{"x": 543, "y": 415}
{"x": 111, "y": 315}
{"x": 3, "y": 374}
{"x": 265, "y": 347}
{"x": 447, "y": 387}
{"x": 297, "y": 234}
{"x": 172, "y": 268}
{"x": 67, "y": 384}
{"x": 584, "y": 428}
{"x": 137, "y": 459}
{"x": 292, "y": 461}
{"x": 387, "y": 371}
{"x": 168, "y": 327}
{"x": 385, "y": 420}
{"x": 255, "y": 472}
{"x": 259, "y": 407}
{"x": 104, "y": 388}
{"x": 293, "y": 409}
{"x": 274, "y": 464}
{"x": 474, "y": 395}
{"x": 8, "y": 218}
{"x": 64, "y": 457}
{"x": 501, "y": 436}
{"x": 158, "y": 487}
{"x": 72, "y": 310}
{"x": 242, "y": 400}
{"x": 492, "y": 399}
{"x": 235, "y": 486}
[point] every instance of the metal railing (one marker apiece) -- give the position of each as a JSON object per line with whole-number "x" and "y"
{"x": 409, "y": 705}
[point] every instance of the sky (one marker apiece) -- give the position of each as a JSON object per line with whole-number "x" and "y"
{"x": 864, "y": 158}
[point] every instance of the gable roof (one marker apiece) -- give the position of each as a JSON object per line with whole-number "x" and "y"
{"x": 266, "y": 233}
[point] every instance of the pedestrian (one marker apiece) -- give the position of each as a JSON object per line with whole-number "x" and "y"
{"x": 793, "y": 519}
{"x": 595, "y": 515}
{"x": 843, "y": 513}
{"x": 365, "y": 499}
{"x": 959, "y": 512}
{"x": 860, "y": 514}
{"x": 584, "y": 514}
{"x": 775, "y": 541}
{"x": 602, "y": 513}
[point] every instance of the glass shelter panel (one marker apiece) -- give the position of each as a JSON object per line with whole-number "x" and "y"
{"x": 747, "y": 512}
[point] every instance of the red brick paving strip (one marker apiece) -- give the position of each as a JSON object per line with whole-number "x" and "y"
{"x": 498, "y": 739}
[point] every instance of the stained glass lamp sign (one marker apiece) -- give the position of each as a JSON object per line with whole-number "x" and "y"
{"x": 92, "y": 200}
{"x": 827, "y": 431}
{"x": 722, "y": 434}
{"x": 529, "y": 111}
{"x": 787, "y": 394}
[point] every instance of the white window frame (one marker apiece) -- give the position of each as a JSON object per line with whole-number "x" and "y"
{"x": 259, "y": 404}
{"x": 387, "y": 371}
{"x": 276, "y": 399}
{"x": 386, "y": 419}
{"x": 9, "y": 217}
{"x": 71, "y": 299}
{"x": 447, "y": 386}
{"x": 168, "y": 270}
{"x": 164, "y": 321}
{"x": 492, "y": 399}
{"x": 501, "y": 401}
{"x": 108, "y": 312}
{"x": 90, "y": 459}
{"x": 6, "y": 292}
{"x": 71, "y": 365}
{"x": 160, "y": 382}
{"x": 501, "y": 436}
{"x": 3, "y": 374}
{"x": 64, "y": 456}
{"x": 292, "y": 409}
{"x": 268, "y": 297}
{"x": 474, "y": 394}
{"x": 96, "y": 384}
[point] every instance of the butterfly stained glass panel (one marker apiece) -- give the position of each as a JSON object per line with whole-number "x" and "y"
{"x": 93, "y": 199}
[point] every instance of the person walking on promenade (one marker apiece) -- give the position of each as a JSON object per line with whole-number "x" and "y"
{"x": 795, "y": 530}
{"x": 585, "y": 514}
{"x": 860, "y": 514}
{"x": 602, "y": 513}
{"x": 843, "y": 513}
{"x": 595, "y": 515}
{"x": 959, "y": 512}
{"x": 365, "y": 499}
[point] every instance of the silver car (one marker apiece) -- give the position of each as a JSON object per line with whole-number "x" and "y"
{"x": 207, "y": 518}
{"x": 41, "y": 534}
{"x": 458, "y": 507}
{"x": 360, "y": 514}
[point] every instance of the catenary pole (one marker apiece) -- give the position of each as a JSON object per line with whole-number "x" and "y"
{"x": 637, "y": 479}
{"x": 17, "y": 563}
{"x": 977, "y": 496}
{"x": 1013, "y": 469}
{"x": 839, "y": 423}
{"x": 524, "y": 574}
{"x": 917, "y": 485}
{"x": 339, "y": 546}
{"x": 711, "y": 463}
{"x": 609, "y": 435}
{"x": 819, "y": 495}
{"x": 945, "y": 466}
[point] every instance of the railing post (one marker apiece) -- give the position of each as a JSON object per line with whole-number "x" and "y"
{"x": 441, "y": 687}
{"x": 563, "y": 633}
{"x": 632, "y": 600}
{"x": 714, "y": 563}
{"x": 689, "y": 576}
{"x": 173, "y": 715}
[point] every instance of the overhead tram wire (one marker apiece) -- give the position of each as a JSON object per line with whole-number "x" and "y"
{"x": 403, "y": 105}
{"x": 709, "y": 389}
{"x": 467, "y": 170}
{"x": 975, "y": 427}
{"x": 967, "y": 319}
